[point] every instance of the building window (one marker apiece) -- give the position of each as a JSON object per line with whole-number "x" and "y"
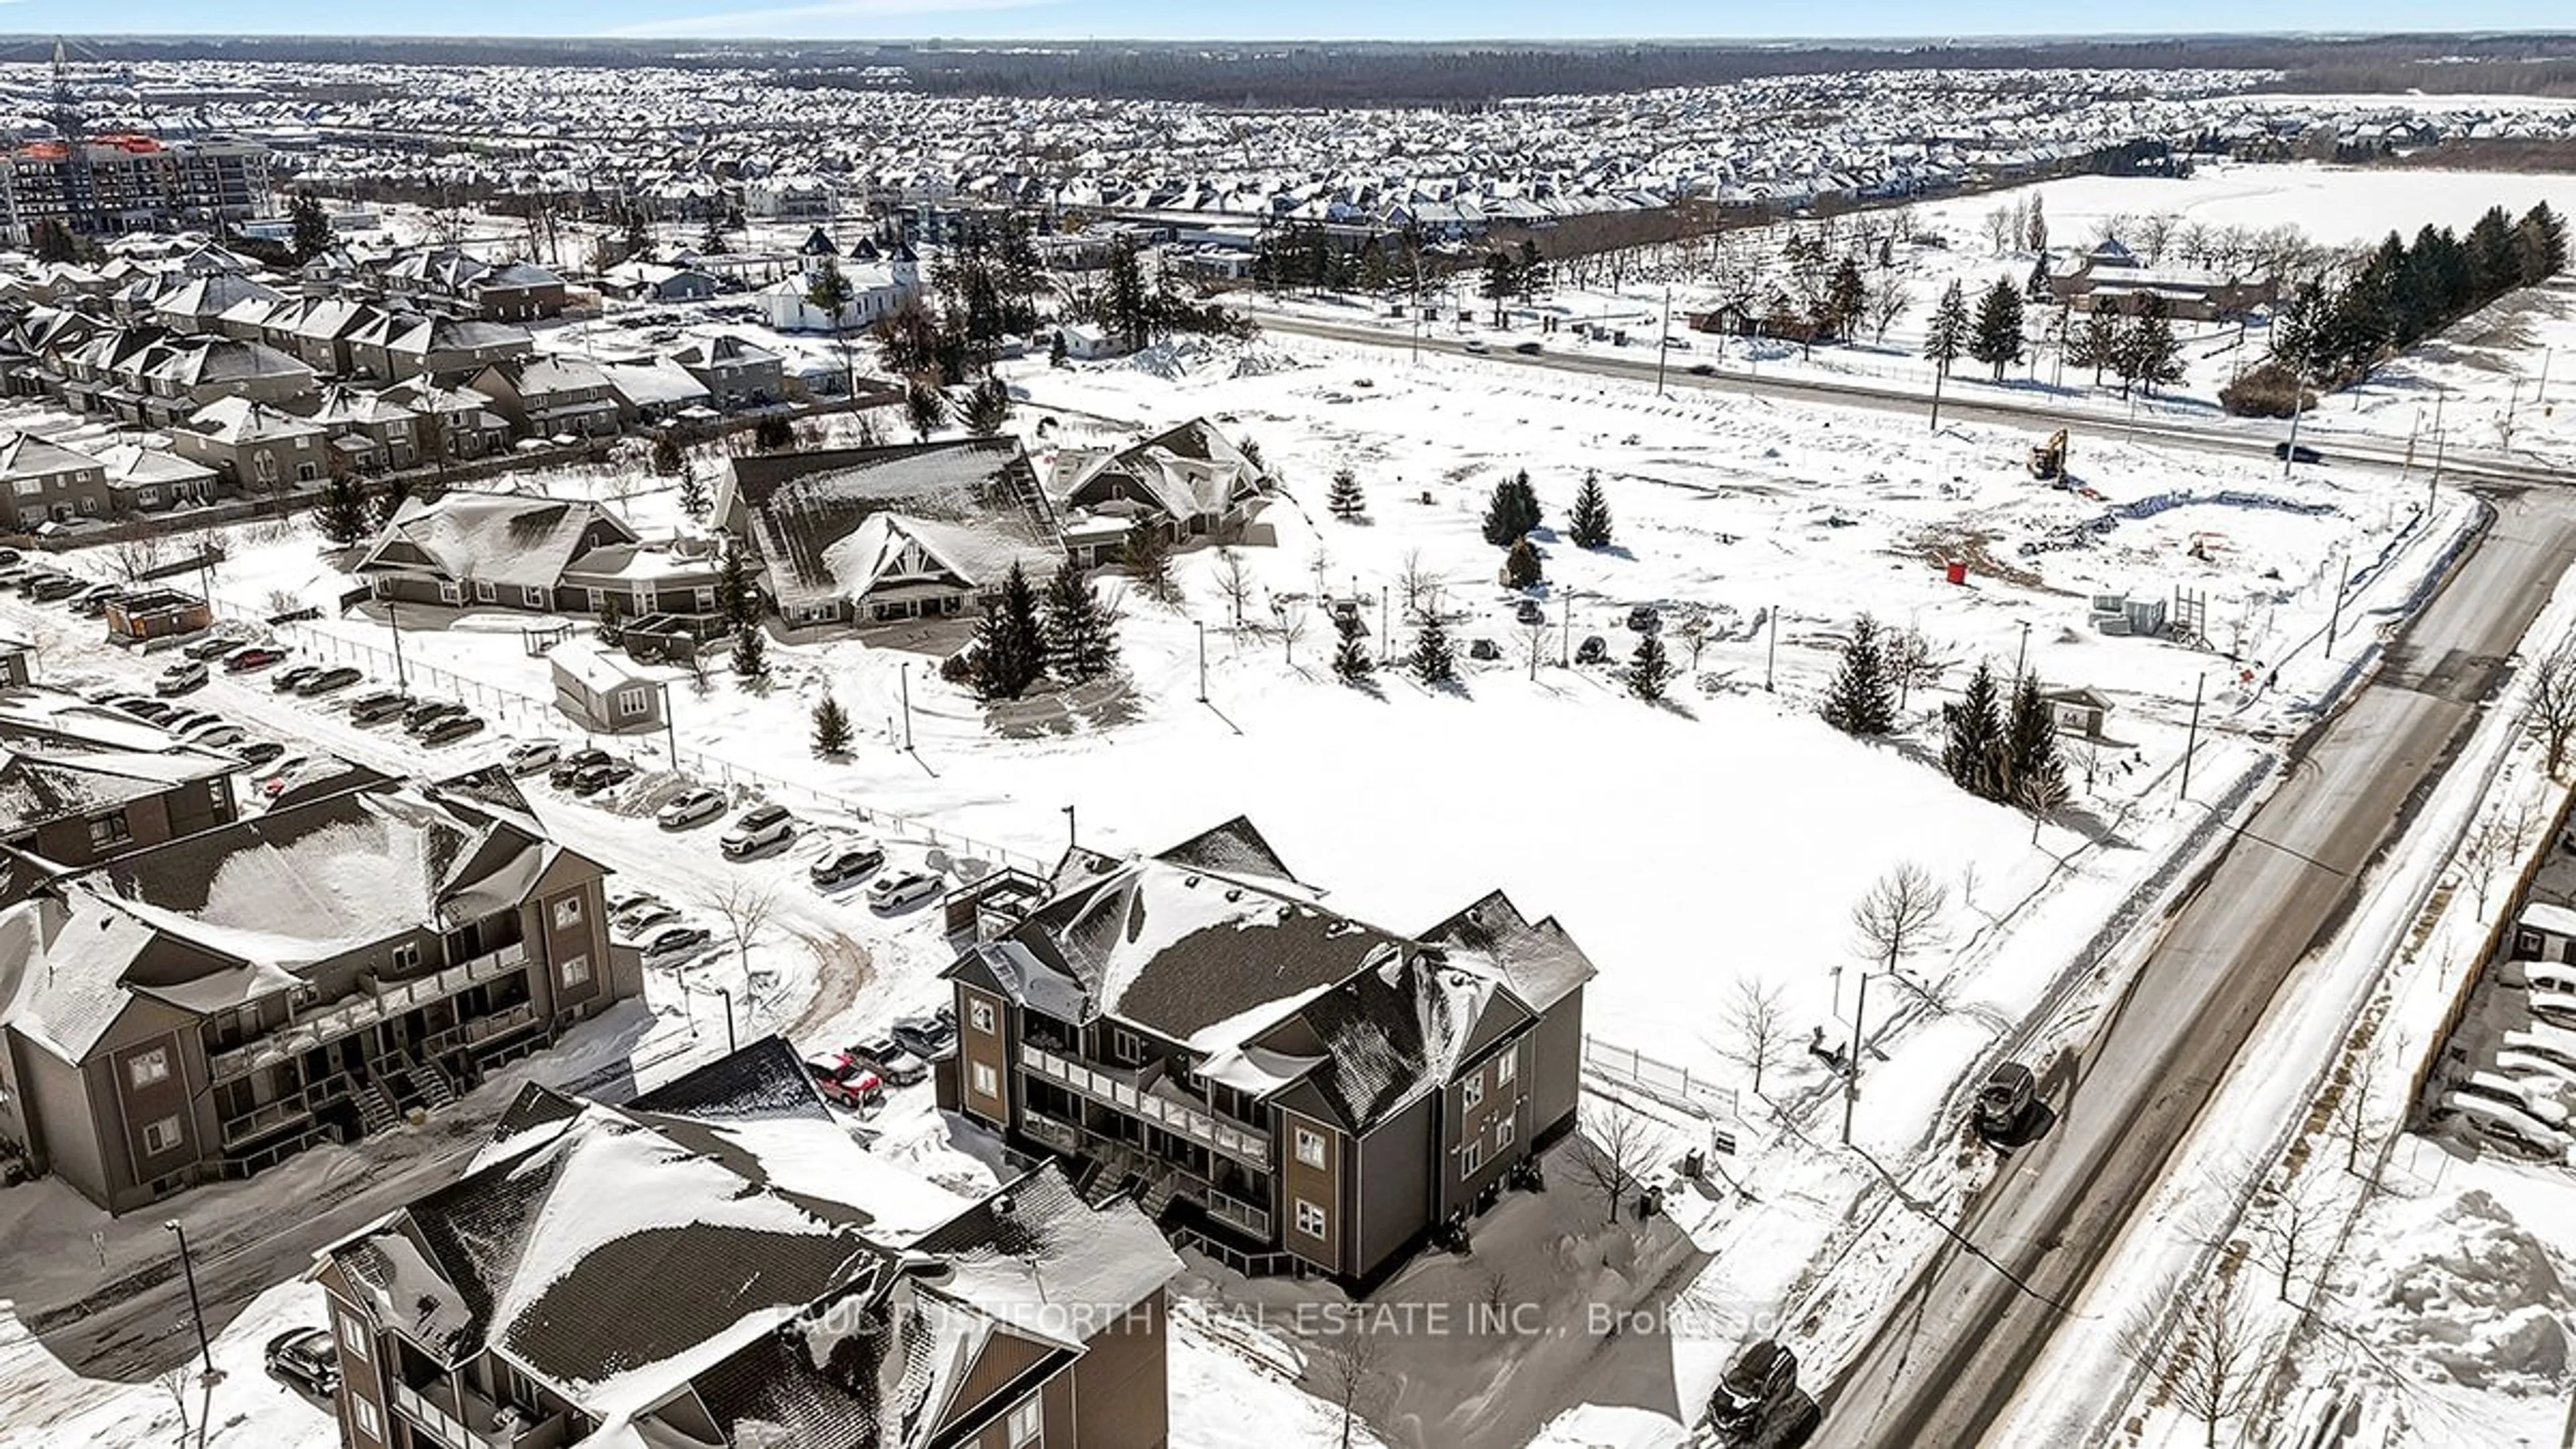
{"x": 482, "y": 592}
{"x": 988, "y": 1083}
{"x": 1506, "y": 1066}
{"x": 1028, "y": 1422}
{"x": 1124, "y": 1048}
{"x": 216, "y": 794}
{"x": 1310, "y": 1147}
{"x": 353, "y": 1336}
{"x": 1310, "y": 1219}
{"x": 451, "y": 593}
{"x": 980, "y": 1015}
{"x": 575, "y": 971}
{"x": 1475, "y": 1091}
{"x": 1502, "y": 1132}
{"x": 149, "y": 1068}
{"x": 567, "y": 913}
{"x": 107, "y": 830}
{"x": 633, "y": 702}
{"x": 29, "y": 487}
{"x": 407, "y": 956}
{"x": 161, "y": 1136}
{"x": 368, "y": 1424}
{"x": 532, "y": 596}
{"x": 1471, "y": 1156}
{"x": 305, "y": 472}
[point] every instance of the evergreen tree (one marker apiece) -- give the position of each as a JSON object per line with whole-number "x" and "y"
{"x": 988, "y": 408}
{"x": 831, "y": 728}
{"x": 2038, "y": 285}
{"x": 737, "y": 598}
{"x": 1010, "y": 642}
{"x": 693, "y": 494}
{"x": 55, "y": 242}
{"x": 1345, "y": 499}
{"x": 1128, "y": 301}
{"x": 1057, "y": 356}
{"x": 828, "y": 291}
{"x": 1081, "y": 632}
{"x": 1147, "y": 557}
{"x": 1522, "y": 567}
{"x": 2096, "y": 344}
{"x": 1432, "y": 660}
{"x": 1649, "y": 669}
{"x": 1589, "y": 524}
{"x": 1862, "y": 699}
{"x": 310, "y": 234}
{"x": 1945, "y": 340}
{"x": 343, "y": 514}
{"x": 1995, "y": 339}
{"x": 2147, "y": 354}
{"x": 665, "y": 458}
{"x": 924, "y": 406}
{"x": 1846, "y": 297}
{"x": 2494, "y": 268}
{"x": 1512, "y": 512}
{"x": 611, "y": 620}
{"x": 750, "y": 653}
{"x": 1501, "y": 282}
{"x": 2035, "y": 227}
{"x": 2540, "y": 244}
{"x": 2034, "y": 776}
{"x": 1972, "y": 746}
{"x": 1350, "y": 651}
{"x": 638, "y": 237}
{"x": 773, "y": 434}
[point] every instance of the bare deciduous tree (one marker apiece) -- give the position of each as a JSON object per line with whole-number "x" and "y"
{"x": 1901, "y": 913}
{"x": 174, "y": 1382}
{"x": 1910, "y": 663}
{"x": 1612, "y": 1151}
{"x": 1352, "y": 1374}
{"x": 1534, "y": 640}
{"x": 2274, "y": 1216}
{"x": 2213, "y": 1360}
{"x": 2549, "y": 703}
{"x": 1292, "y": 628}
{"x": 746, "y": 907}
{"x": 1885, "y": 305}
{"x": 1413, "y": 581}
{"x": 1233, "y": 584}
{"x": 1757, "y": 1028}
{"x": 1693, "y": 630}
{"x": 134, "y": 557}
{"x": 2496, "y": 845}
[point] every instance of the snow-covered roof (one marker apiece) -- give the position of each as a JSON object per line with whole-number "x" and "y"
{"x": 2548, "y": 916}
{"x": 503, "y": 538}
{"x": 1188, "y": 471}
{"x": 973, "y": 504}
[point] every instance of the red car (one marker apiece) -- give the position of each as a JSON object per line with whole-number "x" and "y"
{"x": 846, "y": 1082}
{"x": 258, "y": 656}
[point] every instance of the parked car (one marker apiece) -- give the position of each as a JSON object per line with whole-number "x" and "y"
{"x": 1527, "y": 349}
{"x": 1475, "y": 344}
{"x": 257, "y": 656}
{"x": 638, "y": 923}
{"x": 624, "y": 901}
{"x": 305, "y": 1358}
{"x": 1529, "y": 611}
{"x": 673, "y": 945}
{"x": 330, "y": 681}
{"x": 377, "y": 708}
{"x": 288, "y": 680}
{"x": 1703, "y": 369}
{"x": 2539, "y": 1100}
{"x": 1758, "y": 1389}
{"x": 49, "y": 588}
{"x": 217, "y": 734}
{"x": 599, "y": 775}
{"x": 695, "y": 805}
{"x": 451, "y": 727}
{"x": 2507, "y": 1127}
{"x": 1643, "y": 619}
{"x": 892, "y": 1062}
{"x": 570, "y": 765}
{"x": 2551, "y": 1043}
{"x": 92, "y": 602}
{"x": 418, "y": 718}
{"x": 844, "y": 865}
{"x": 846, "y": 1083}
{"x": 212, "y": 649}
{"x": 261, "y": 752}
{"x": 181, "y": 677}
{"x": 891, "y": 893}
{"x": 929, "y": 1035}
{"x": 2003, "y": 1103}
{"x": 1482, "y": 648}
{"x": 153, "y": 711}
{"x": 527, "y": 757}
{"x": 275, "y": 774}
{"x": 2299, "y": 454}
{"x": 2538, "y": 975}
{"x": 1593, "y": 650}
{"x": 181, "y": 720}
{"x": 758, "y": 830}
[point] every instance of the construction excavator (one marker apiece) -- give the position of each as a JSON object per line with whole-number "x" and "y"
{"x": 2048, "y": 460}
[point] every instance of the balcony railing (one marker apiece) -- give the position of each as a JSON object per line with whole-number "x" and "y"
{"x": 355, "y": 1013}
{"x": 269, "y": 1116}
{"x": 1241, "y": 1214}
{"x": 1209, "y": 1129}
{"x": 460, "y": 1418}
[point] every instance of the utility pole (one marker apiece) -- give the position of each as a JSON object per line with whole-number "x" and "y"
{"x": 1202, "y": 660}
{"x": 1851, "y": 1070}
{"x": 670, "y": 728}
{"x": 1565, "y": 641}
{"x": 2334, "y": 617}
{"x": 2191, "y": 741}
{"x": 1771, "y": 648}
{"x": 1664, "y": 342}
{"x": 727, "y": 993}
{"x": 1070, "y": 836}
{"x": 2298, "y": 396}
{"x": 393, "y": 616}
{"x": 2540, "y": 395}
{"x": 1385, "y": 628}
{"x": 196, "y": 1309}
{"x": 2440, "y": 438}
{"x": 905, "y": 677}
{"x": 2511, "y": 399}
{"x": 1940, "y": 371}
{"x": 2021, "y": 658}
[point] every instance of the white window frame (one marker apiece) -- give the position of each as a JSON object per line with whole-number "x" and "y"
{"x": 483, "y": 593}
{"x": 148, "y": 1069}
{"x": 368, "y": 1424}
{"x": 567, "y": 913}
{"x": 1310, "y": 1147}
{"x": 1475, "y": 1091}
{"x": 450, "y": 592}
{"x": 533, "y": 597}
{"x": 634, "y": 702}
{"x": 1504, "y": 1129}
{"x": 163, "y": 1136}
{"x": 1506, "y": 1066}
{"x": 981, "y": 1016}
{"x": 1028, "y": 1422}
{"x": 1125, "y": 1047}
{"x": 353, "y": 1337}
{"x": 988, "y": 1083}
{"x": 1312, "y": 1220}
{"x": 1471, "y": 1157}
{"x": 573, "y": 971}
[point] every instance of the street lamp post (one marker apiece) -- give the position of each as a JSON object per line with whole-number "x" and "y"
{"x": 1851, "y": 1069}
{"x": 1202, "y": 627}
{"x": 196, "y": 1308}
{"x": 905, "y": 677}
{"x": 727, "y": 993}
{"x": 393, "y": 616}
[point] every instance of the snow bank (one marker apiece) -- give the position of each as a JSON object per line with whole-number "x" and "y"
{"x": 2468, "y": 1293}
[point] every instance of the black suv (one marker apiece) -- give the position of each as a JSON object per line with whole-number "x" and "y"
{"x": 305, "y": 1358}
{"x": 2003, "y": 1103}
{"x": 1758, "y": 1402}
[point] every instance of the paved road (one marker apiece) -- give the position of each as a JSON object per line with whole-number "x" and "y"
{"x": 2218, "y": 435}
{"x": 1954, "y": 1348}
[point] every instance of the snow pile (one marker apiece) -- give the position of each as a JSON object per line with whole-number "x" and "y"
{"x": 1177, "y": 359}
{"x": 2473, "y": 1296}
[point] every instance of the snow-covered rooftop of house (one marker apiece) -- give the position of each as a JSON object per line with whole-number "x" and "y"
{"x": 504, "y": 538}
{"x": 804, "y": 510}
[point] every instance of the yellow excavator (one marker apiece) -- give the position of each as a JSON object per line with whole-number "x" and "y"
{"x": 2048, "y": 460}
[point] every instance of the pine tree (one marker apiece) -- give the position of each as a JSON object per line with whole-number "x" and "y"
{"x": 2539, "y": 244}
{"x": 988, "y": 408}
{"x": 1945, "y": 340}
{"x": 750, "y": 653}
{"x": 1057, "y": 354}
{"x": 1010, "y": 642}
{"x": 1432, "y": 660}
{"x": 773, "y": 434}
{"x": 1862, "y": 699}
{"x": 2147, "y": 354}
{"x": 1351, "y": 658}
{"x": 1846, "y": 296}
{"x": 693, "y": 494}
{"x": 343, "y": 514}
{"x": 828, "y": 291}
{"x": 665, "y": 457}
{"x": 1081, "y": 632}
{"x": 310, "y": 234}
{"x": 1345, "y": 499}
{"x": 1589, "y": 524}
{"x": 1995, "y": 340}
{"x": 638, "y": 238}
{"x": 2038, "y": 286}
{"x": 1521, "y": 567}
{"x": 737, "y": 598}
{"x": 2097, "y": 343}
{"x": 1649, "y": 669}
{"x": 1972, "y": 747}
{"x": 924, "y": 406}
{"x": 1512, "y": 512}
{"x": 1146, "y": 555}
{"x": 831, "y": 728}
{"x": 2034, "y": 777}
{"x": 611, "y": 620}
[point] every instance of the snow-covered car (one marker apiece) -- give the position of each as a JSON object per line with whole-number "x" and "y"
{"x": 291, "y": 679}
{"x": 2533, "y": 1069}
{"x": 929, "y": 1035}
{"x": 261, "y": 752}
{"x": 2540, "y": 1101}
{"x": 1529, "y": 611}
{"x": 846, "y": 1083}
{"x": 759, "y": 829}
{"x": 449, "y": 728}
{"x": 1483, "y": 648}
{"x": 891, "y": 1061}
{"x": 2550, "y": 1043}
{"x": 674, "y": 945}
{"x": 695, "y": 805}
{"x": 1593, "y": 650}
{"x": 2512, "y": 1130}
{"x": 1475, "y": 344}
{"x": 844, "y": 865}
{"x": 154, "y": 711}
{"x": 377, "y": 708}
{"x": 179, "y": 678}
{"x": 278, "y": 770}
{"x": 529, "y": 756}
{"x": 599, "y": 775}
{"x": 2557, "y": 1008}
{"x": 624, "y": 901}
{"x": 2538, "y": 975}
{"x": 2003, "y": 1103}
{"x": 330, "y": 681}
{"x": 898, "y": 892}
{"x": 1757, "y": 1395}
{"x": 216, "y": 734}
{"x": 304, "y": 1358}
{"x": 212, "y": 649}
{"x": 638, "y": 920}
{"x": 561, "y": 772}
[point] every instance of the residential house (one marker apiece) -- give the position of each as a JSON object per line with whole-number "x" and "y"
{"x": 551, "y": 394}
{"x": 548, "y": 555}
{"x": 604, "y": 691}
{"x": 1086, "y": 343}
{"x": 17, "y": 662}
{"x": 79, "y": 784}
{"x": 51, "y": 483}
{"x": 143, "y": 478}
{"x": 873, "y": 535}
{"x": 198, "y": 303}
{"x": 395, "y": 346}
{"x": 878, "y": 285}
{"x": 1192, "y": 482}
{"x": 516, "y": 292}
{"x": 322, "y": 331}
{"x": 369, "y": 431}
{"x": 737, "y": 374}
{"x": 252, "y": 444}
{"x": 455, "y": 422}
{"x": 658, "y": 390}
{"x": 647, "y": 282}
{"x": 2109, "y": 277}
{"x": 180, "y": 376}
{"x": 1286, "y": 1087}
{"x": 205, "y": 1008}
{"x": 719, "y": 1263}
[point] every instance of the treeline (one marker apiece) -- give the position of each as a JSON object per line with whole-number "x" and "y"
{"x": 2331, "y": 333}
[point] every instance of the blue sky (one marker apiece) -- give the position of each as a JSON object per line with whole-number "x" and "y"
{"x": 1193, "y": 19}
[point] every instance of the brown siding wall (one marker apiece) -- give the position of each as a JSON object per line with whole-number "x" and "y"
{"x": 1320, "y": 1186}
{"x": 139, "y": 1107}
{"x": 584, "y": 937}
{"x": 1393, "y": 1194}
{"x": 1122, "y": 1384}
{"x": 61, "y": 1120}
{"x": 360, "y": 1374}
{"x": 990, "y": 1049}
{"x": 1554, "y": 1066}
{"x": 1501, "y": 1100}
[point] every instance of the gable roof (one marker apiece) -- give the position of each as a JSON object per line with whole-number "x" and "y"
{"x": 976, "y": 498}
{"x": 503, "y": 538}
{"x": 1189, "y": 470}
